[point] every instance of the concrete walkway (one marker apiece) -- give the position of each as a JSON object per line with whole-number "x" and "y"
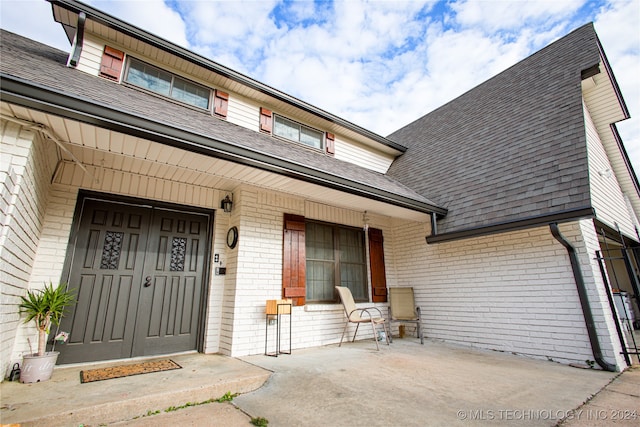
{"x": 405, "y": 384}
{"x": 64, "y": 401}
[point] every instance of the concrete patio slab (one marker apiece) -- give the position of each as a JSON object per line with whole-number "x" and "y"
{"x": 404, "y": 384}
{"x": 408, "y": 384}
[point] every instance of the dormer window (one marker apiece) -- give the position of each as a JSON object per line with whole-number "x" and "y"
{"x": 156, "y": 80}
{"x": 297, "y": 132}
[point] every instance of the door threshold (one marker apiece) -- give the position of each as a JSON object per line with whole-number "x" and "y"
{"x": 122, "y": 361}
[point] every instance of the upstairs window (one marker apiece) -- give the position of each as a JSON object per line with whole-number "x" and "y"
{"x": 296, "y": 132}
{"x": 164, "y": 83}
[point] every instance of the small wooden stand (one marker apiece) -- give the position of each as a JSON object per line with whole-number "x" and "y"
{"x": 274, "y": 312}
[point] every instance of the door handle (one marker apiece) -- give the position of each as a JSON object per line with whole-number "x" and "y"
{"x": 147, "y": 281}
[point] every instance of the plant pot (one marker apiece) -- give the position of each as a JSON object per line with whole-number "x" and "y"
{"x": 38, "y": 368}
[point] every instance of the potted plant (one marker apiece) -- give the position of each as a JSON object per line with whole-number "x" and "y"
{"x": 45, "y": 307}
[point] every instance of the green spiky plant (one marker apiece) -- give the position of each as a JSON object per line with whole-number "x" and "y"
{"x": 46, "y": 307}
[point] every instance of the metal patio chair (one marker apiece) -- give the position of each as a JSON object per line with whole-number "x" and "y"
{"x": 403, "y": 309}
{"x": 360, "y": 315}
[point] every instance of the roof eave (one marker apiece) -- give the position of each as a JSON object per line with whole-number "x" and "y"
{"x": 30, "y": 95}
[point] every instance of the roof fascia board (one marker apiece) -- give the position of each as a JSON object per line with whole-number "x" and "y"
{"x": 563, "y": 216}
{"x": 44, "y": 99}
{"x": 193, "y": 57}
{"x": 625, "y": 156}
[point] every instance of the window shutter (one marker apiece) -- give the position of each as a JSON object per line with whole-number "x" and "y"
{"x": 220, "y": 103}
{"x": 294, "y": 259}
{"x": 265, "y": 120}
{"x": 331, "y": 144}
{"x": 111, "y": 64}
{"x": 376, "y": 260}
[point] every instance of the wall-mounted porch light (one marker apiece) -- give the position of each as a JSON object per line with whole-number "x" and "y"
{"x": 226, "y": 204}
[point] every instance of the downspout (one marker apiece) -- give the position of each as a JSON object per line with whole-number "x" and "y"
{"x": 79, "y": 41}
{"x": 434, "y": 224}
{"x": 584, "y": 300}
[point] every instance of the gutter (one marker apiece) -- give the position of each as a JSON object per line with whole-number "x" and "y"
{"x": 501, "y": 227}
{"x": 584, "y": 300}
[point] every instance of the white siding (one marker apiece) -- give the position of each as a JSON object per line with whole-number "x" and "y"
{"x": 355, "y": 153}
{"x": 604, "y": 108}
{"x": 26, "y": 166}
{"x": 243, "y": 112}
{"x": 606, "y": 194}
{"x": 91, "y": 55}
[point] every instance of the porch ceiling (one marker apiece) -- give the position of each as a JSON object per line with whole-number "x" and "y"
{"x": 93, "y": 146}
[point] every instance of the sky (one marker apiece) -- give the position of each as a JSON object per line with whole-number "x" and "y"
{"x": 378, "y": 64}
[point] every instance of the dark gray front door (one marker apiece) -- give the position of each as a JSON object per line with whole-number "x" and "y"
{"x": 138, "y": 272}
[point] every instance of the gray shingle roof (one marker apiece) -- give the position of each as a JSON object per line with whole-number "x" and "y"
{"x": 45, "y": 67}
{"x": 512, "y": 148}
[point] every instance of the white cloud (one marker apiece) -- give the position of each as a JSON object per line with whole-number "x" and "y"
{"x": 234, "y": 33}
{"x": 379, "y": 64}
{"x": 303, "y": 10}
{"x": 498, "y": 15}
{"x": 37, "y": 24}
{"x": 153, "y": 16}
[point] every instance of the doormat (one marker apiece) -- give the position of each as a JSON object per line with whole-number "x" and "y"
{"x": 127, "y": 370}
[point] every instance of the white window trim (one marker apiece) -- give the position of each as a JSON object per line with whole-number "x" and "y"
{"x": 323, "y": 142}
{"x": 211, "y": 91}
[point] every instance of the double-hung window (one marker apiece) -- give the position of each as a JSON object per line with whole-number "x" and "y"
{"x": 156, "y": 80}
{"x": 335, "y": 256}
{"x": 297, "y": 132}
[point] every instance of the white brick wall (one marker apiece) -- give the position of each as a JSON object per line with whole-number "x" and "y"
{"x": 508, "y": 292}
{"x": 598, "y": 300}
{"x": 258, "y": 262}
{"x": 56, "y": 227}
{"x": 26, "y": 166}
